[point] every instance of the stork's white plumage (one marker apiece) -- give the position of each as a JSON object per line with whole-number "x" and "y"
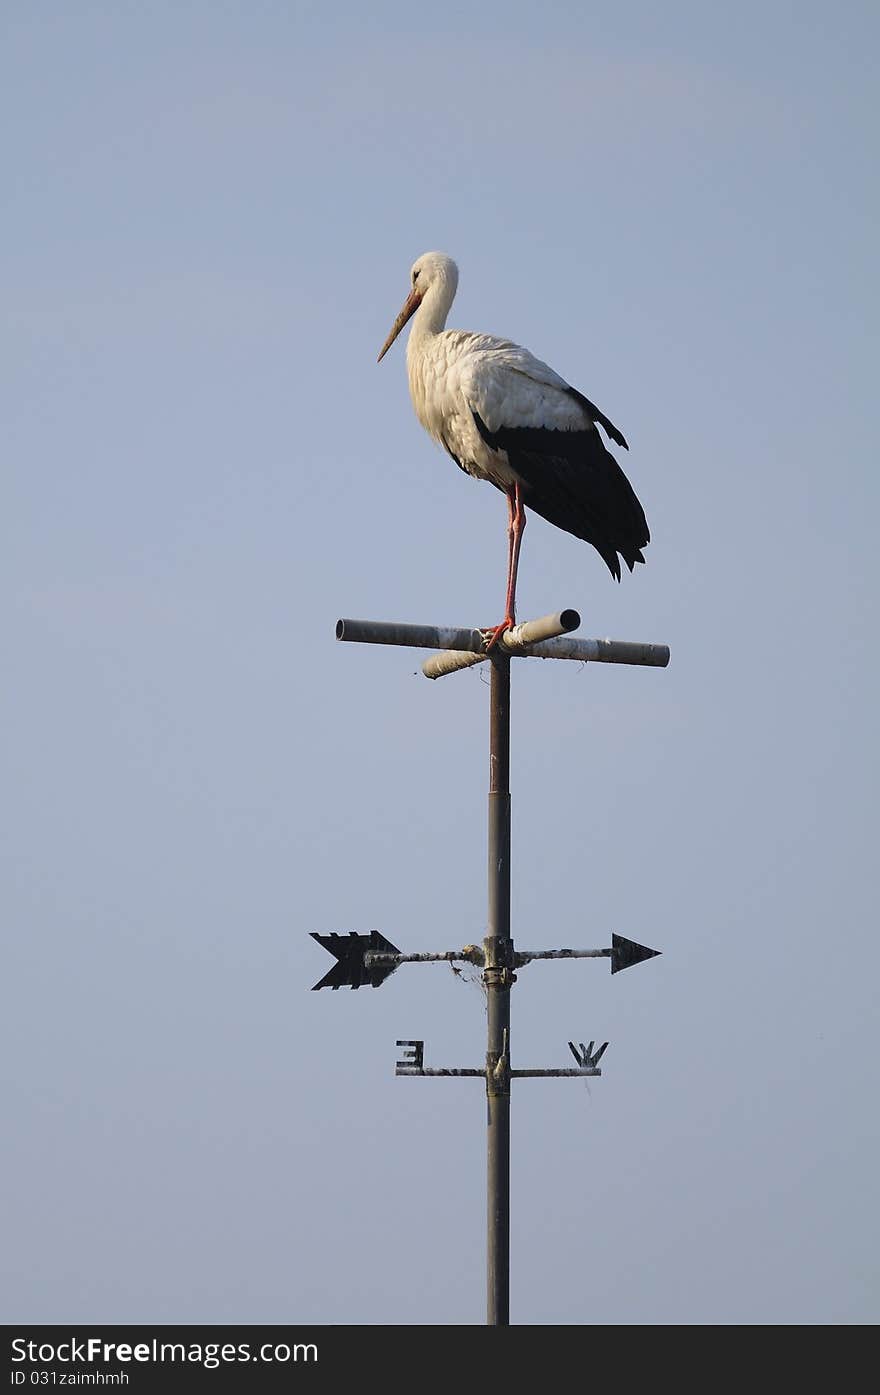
{"x": 504, "y": 416}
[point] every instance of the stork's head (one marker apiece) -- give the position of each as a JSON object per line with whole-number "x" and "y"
{"x": 434, "y": 275}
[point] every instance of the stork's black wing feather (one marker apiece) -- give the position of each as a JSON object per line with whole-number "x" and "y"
{"x": 607, "y": 426}
{"x": 576, "y": 484}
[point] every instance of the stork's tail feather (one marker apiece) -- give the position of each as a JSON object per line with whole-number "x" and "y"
{"x": 612, "y": 561}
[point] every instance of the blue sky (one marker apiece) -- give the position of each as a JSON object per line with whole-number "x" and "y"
{"x": 210, "y": 214}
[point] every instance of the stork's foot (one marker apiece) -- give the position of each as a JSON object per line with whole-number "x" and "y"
{"x": 491, "y": 637}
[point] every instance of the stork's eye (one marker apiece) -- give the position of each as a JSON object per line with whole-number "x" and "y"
{"x": 416, "y": 275}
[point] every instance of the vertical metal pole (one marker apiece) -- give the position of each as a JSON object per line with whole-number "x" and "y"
{"x": 498, "y": 976}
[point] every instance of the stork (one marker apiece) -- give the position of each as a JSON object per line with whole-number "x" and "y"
{"x": 506, "y": 417}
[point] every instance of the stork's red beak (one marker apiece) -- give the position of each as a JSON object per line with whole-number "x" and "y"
{"x": 410, "y": 306}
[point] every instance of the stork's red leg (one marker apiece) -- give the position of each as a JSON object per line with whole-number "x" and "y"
{"x": 516, "y": 522}
{"x": 518, "y": 527}
{"x": 511, "y": 515}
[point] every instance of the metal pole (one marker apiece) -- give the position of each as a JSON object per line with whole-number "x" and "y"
{"x": 498, "y": 976}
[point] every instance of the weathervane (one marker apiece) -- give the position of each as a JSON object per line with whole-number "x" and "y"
{"x": 370, "y": 958}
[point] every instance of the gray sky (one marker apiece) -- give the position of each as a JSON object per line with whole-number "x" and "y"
{"x": 210, "y": 212}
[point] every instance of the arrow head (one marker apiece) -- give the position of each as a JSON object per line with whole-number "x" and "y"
{"x": 350, "y": 971}
{"x": 625, "y": 953}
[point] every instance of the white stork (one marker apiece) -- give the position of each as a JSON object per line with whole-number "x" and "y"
{"x": 504, "y": 416}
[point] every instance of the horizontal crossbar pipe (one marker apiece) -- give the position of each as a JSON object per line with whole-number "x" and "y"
{"x": 525, "y": 956}
{"x": 545, "y": 638}
{"x": 545, "y": 1074}
{"x": 534, "y": 631}
{"x": 453, "y": 637}
{"x": 601, "y": 651}
{"x": 473, "y": 954}
{"x": 513, "y": 641}
{"x": 596, "y": 651}
{"x": 383, "y": 959}
{"x": 451, "y": 661}
{"x": 514, "y": 1074}
{"x": 413, "y": 636}
{"x": 439, "y": 1070}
